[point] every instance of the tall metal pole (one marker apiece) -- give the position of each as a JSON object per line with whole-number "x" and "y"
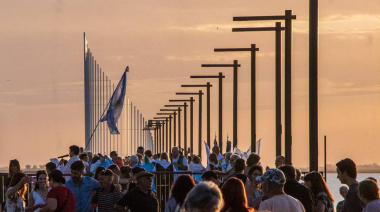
{"x": 107, "y": 142}
{"x": 200, "y": 117}
{"x": 174, "y": 130}
{"x": 163, "y": 137}
{"x": 313, "y": 85}
{"x": 207, "y": 85}
{"x": 141, "y": 130}
{"x": 278, "y": 89}
{"x": 167, "y": 135}
{"x": 235, "y": 66}
{"x": 95, "y": 103}
{"x": 144, "y": 133}
{"x": 138, "y": 128}
{"x": 200, "y": 124}
{"x": 253, "y": 98}
{"x": 208, "y": 115}
{"x": 288, "y": 40}
{"x": 87, "y": 93}
{"x": 103, "y": 106}
{"x": 179, "y": 127}
{"x": 288, "y": 87}
{"x": 131, "y": 129}
{"x": 191, "y": 125}
{"x": 185, "y": 126}
{"x": 170, "y": 133}
{"x": 220, "y": 112}
{"x": 235, "y": 103}
{"x": 134, "y": 129}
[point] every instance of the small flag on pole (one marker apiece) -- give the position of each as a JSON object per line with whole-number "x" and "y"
{"x": 258, "y": 146}
{"x": 116, "y": 104}
{"x": 228, "y": 146}
{"x": 215, "y": 142}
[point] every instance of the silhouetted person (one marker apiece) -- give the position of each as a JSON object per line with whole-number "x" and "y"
{"x": 296, "y": 190}
{"x": 347, "y": 173}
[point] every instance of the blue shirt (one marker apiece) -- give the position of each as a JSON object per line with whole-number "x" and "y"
{"x": 83, "y": 193}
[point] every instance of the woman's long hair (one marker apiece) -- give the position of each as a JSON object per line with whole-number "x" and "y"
{"x": 234, "y": 196}
{"x": 14, "y": 163}
{"x": 318, "y": 184}
{"x": 16, "y": 179}
{"x": 165, "y": 156}
{"x": 37, "y": 185}
{"x": 181, "y": 187}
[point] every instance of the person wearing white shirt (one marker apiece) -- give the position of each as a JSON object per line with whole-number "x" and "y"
{"x": 221, "y": 160}
{"x": 73, "y": 153}
{"x": 179, "y": 160}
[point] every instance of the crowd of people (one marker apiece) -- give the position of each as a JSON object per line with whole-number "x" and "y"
{"x": 229, "y": 183}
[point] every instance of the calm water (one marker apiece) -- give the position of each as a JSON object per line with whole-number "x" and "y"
{"x": 334, "y": 183}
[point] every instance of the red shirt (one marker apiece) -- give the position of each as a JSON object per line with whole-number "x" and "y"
{"x": 119, "y": 163}
{"x": 60, "y": 194}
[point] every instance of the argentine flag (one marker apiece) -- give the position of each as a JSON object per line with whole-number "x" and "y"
{"x": 116, "y": 104}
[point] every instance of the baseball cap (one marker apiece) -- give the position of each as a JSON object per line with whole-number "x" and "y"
{"x": 143, "y": 173}
{"x": 273, "y": 175}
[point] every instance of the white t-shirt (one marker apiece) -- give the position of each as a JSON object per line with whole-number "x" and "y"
{"x": 281, "y": 203}
{"x": 194, "y": 167}
{"x": 175, "y": 160}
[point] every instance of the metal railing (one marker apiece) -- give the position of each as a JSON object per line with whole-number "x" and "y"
{"x": 162, "y": 184}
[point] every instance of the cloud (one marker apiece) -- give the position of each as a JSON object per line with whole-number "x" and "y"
{"x": 217, "y": 57}
{"x": 330, "y": 88}
{"x": 341, "y": 24}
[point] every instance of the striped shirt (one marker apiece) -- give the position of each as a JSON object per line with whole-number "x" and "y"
{"x": 106, "y": 201}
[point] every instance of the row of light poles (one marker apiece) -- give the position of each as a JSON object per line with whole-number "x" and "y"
{"x": 287, "y": 18}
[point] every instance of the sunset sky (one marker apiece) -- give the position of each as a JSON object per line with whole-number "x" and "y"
{"x": 164, "y": 42}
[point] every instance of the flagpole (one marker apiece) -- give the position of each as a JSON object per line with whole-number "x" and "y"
{"x": 92, "y": 134}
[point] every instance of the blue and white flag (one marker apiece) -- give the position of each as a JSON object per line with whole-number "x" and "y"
{"x": 116, "y": 104}
{"x": 215, "y": 142}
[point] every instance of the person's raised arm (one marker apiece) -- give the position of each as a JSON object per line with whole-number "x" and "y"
{"x": 11, "y": 192}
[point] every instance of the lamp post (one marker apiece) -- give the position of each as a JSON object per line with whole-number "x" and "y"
{"x": 220, "y": 77}
{"x": 179, "y": 123}
{"x": 170, "y": 127}
{"x": 166, "y": 120}
{"x": 253, "y": 50}
{"x": 175, "y": 112}
{"x": 278, "y": 30}
{"x": 235, "y": 66}
{"x": 288, "y": 17}
{"x": 313, "y": 85}
{"x": 164, "y": 123}
{"x": 208, "y": 112}
{"x": 200, "y": 117}
{"x": 191, "y": 100}
{"x": 157, "y": 137}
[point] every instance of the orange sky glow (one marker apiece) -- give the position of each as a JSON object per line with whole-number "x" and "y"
{"x": 164, "y": 42}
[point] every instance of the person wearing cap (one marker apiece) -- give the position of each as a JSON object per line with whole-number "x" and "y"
{"x": 108, "y": 194}
{"x": 273, "y": 181}
{"x": 141, "y": 198}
